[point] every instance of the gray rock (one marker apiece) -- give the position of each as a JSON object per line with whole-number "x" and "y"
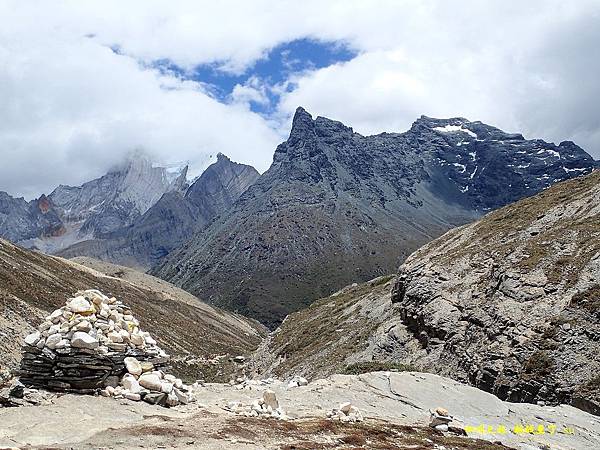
{"x": 155, "y": 398}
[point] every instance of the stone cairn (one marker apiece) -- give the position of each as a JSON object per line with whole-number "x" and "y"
{"x": 94, "y": 344}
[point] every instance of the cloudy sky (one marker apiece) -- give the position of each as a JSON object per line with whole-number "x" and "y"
{"x": 84, "y": 83}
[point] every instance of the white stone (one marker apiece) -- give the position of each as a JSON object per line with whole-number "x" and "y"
{"x": 150, "y": 381}
{"x": 53, "y": 340}
{"x": 45, "y": 325}
{"x": 137, "y": 340}
{"x": 55, "y": 315}
{"x": 33, "y": 338}
{"x": 132, "y": 396}
{"x": 131, "y": 384}
{"x": 125, "y": 335}
{"x": 166, "y": 387}
{"x": 84, "y": 325}
{"x": 115, "y": 337}
{"x": 80, "y": 305}
{"x": 270, "y": 399}
{"x": 149, "y": 340}
{"x": 83, "y": 340}
{"x": 133, "y": 366}
{"x": 64, "y": 343}
{"x": 172, "y": 399}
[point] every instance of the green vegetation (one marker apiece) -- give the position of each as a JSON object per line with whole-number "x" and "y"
{"x": 378, "y": 366}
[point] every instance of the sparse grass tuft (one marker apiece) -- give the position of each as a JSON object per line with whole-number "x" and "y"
{"x": 378, "y": 366}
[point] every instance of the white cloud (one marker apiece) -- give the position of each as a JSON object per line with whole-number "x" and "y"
{"x": 71, "y": 107}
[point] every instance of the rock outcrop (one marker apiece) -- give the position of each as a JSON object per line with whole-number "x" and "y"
{"x": 511, "y": 303}
{"x": 173, "y": 219}
{"x": 336, "y": 207}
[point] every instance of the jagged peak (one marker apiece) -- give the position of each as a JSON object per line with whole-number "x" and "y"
{"x": 301, "y": 122}
{"x": 223, "y": 157}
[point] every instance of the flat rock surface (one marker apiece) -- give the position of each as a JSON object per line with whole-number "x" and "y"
{"x": 395, "y": 406}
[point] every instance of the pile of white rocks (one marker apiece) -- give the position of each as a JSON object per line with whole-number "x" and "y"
{"x": 266, "y": 406}
{"x": 346, "y": 412}
{"x": 153, "y": 386}
{"x": 85, "y": 346}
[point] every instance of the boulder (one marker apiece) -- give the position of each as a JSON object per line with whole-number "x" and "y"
{"x": 270, "y": 399}
{"x": 151, "y": 382}
{"x": 33, "y": 338}
{"x": 81, "y": 306}
{"x": 133, "y": 366}
{"x": 130, "y": 383}
{"x": 83, "y": 340}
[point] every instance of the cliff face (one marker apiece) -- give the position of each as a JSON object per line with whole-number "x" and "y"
{"x": 511, "y": 302}
{"x": 173, "y": 219}
{"x": 337, "y": 207}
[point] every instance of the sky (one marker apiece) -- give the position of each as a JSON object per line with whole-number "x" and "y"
{"x": 82, "y": 84}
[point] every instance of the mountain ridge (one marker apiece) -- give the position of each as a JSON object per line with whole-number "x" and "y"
{"x": 365, "y": 202}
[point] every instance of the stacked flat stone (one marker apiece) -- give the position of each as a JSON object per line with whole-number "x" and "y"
{"x": 82, "y": 347}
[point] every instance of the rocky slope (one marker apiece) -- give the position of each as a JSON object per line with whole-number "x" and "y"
{"x": 33, "y": 284}
{"x": 337, "y": 207}
{"x": 509, "y": 304}
{"x": 512, "y": 303}
{"x": 72, "y": 214}
{"x": 173, "y": 219}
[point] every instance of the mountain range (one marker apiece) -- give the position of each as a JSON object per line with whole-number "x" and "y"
{"x": 173, "y": 219}
{"x": 337, "y": 207}
{"x": 72, "y": 214}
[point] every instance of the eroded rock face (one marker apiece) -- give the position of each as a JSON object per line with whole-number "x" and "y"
{"x": 511, "y": 303}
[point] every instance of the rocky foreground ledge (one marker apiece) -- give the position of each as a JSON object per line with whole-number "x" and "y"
{"x": 394, "y": 408}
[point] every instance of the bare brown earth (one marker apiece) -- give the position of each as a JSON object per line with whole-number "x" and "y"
{"x": 33, "y": 284}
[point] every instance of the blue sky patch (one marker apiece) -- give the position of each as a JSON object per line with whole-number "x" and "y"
{"x": 281, "y": 62}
